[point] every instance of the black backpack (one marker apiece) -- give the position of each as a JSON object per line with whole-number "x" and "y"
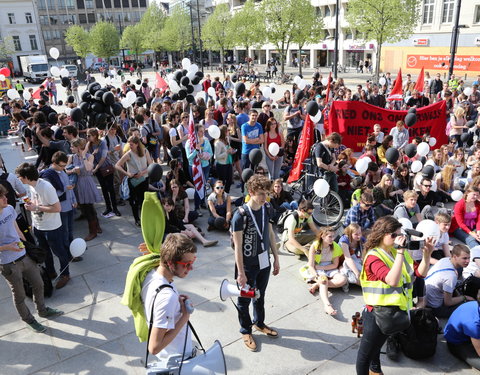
{"x": 11, "y": 195}
{"x": 283, "y": 217}
{"x": 47, "y": 284}
{"x": 419, "y": 341}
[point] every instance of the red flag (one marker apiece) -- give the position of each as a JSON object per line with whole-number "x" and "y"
{"x": 160, "y": 83}
{"x": 303, "y": 150}
{"x": 326, "y": 110}
{"x": 397, "y": 91}
{"x": 36, "y": 93}
{"x": 197, "y": 171}
{"x": 419, "y": 86}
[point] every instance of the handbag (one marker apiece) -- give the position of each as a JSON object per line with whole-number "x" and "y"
{"x": 125, "y": 189}
{"x": 106, "y": 170}
{"x": 391, "y": 319}
{"x": 34, "y": 252}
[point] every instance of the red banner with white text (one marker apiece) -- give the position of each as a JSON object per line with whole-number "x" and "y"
{"x": 355, "y": 120}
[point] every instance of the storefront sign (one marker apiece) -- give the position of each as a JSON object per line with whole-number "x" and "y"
{"x": 462, "y": 62}
{"x": 477, "y": 41}
{"x": 421, "y": 42}
{"x": 355, "y": 120}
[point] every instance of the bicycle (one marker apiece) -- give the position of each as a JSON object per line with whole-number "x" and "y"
{"x": 283, "y": 79}
{"x": 327, "y": 211}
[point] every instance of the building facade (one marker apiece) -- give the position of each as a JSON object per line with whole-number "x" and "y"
{"x": 19, "y": 20}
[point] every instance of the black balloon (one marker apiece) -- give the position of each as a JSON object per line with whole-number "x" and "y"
{"x": 470, "y": 140}
{"x": 273, "y": 89}
{"x": 234, "y": 78}
{"x": 423, "y": 159}
{"x": 86, "y": 96}
{"x": 100, "y": 118}
{"x": 94, "y": 87}
{"x": 140, "y": 101}
{"x": 300, "y": 94}
{"x": 85, "y": 107}
{"x": 184, "y": 72}
{"x": 412, "y": 110}
{"x": 99, "y": 95}
{"x": 101, "y": 125}
{"x": 214, "y": 85}
{"x": 312, "y": 108}
{"x": 428, "y": 171}
{"x": 182, "y": 94}
{"x": 116, "y": 109}
{"x": 76, "y": 114}
{"x": 175, "y": 152}
{"x": 190, "y": 89}
{"x": 410, "y": 119}
{"x": 98, "y": 107}
{"x": 190, "y": 99}
{"x": 138, "y": 82}
{"x": 155, "y": 172}
{"x": 65, "y": 81}
{"x": 392, "y": 155}
{"x": 196, "y": 80}
{"x": 108, "y": 98}
{"x": 52, "y": 118}
{"x": 246, "y": 174}
{"x": 175, "y": 97}
{"x": 177, "y": 76}
{"x": 220, "y": 223}
{"x": 281, "y": 152}
{"x": 464, "y": 137}
{"x": 199, "y": 74}
{"x": 70, "y": 99}
{"x": 411, "y": 150}
{"x": 145, "y": 85}
{"x": 60, "y": 102}
{"x": 119, "y": 72}
{"x": 470, "y": 124}
{"x": 185, "y": 81}
{"x": 255, "y": 157}
{"x": 239, "y": 88}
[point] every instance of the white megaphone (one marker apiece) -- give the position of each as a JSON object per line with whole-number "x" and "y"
{"x": 212, "y": 362}
{"x": 229, "y": 290}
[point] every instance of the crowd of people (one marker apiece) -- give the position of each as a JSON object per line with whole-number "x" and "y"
{"x": 369, "y": 250}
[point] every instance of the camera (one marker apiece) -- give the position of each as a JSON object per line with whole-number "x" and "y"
{"x": 409, "y": 243}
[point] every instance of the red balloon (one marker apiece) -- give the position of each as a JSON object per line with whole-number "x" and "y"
{"x": 5, "y": 72}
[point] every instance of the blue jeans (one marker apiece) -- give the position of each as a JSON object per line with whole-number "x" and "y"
{"x": 67, "y": 226}
{"x": 53, "y": 240}
{"x": 274, "y": 167}
{"x": 465, "y": 238}
{"x": 293, "y": 205}
{"x": 256, "y": 278}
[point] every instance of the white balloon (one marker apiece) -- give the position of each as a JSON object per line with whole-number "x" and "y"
{"x": 190, "y": 75}
{"x": 54, "y": 53}
{"x": 429, "y": 228}
{"x": 434, "y": 186}
{"x": 273, "y": 148}
{"x": 131, "y": 96}
{"x": 190, "y": 193}
{"x": 125, "y": 102}
{"x": 382, "y": 81}
{"x": 169, "y": 77}
{"x": 13, "y": 94}
{"x": 321, "y": 188}
{"x": 64, "y": 72}
{"x": 456, "y": 195}
{"x": 108, "y": 80}
{"x": 174, "y": 86}
{"x": 214, "y": 131}
{"x": 211, "y": 92}
{"x": 78, "y": 247}
{"x": 361, "y": 166}
{"x": 273, "y": 86}
{"x": 297, "y": 79}
{"x": 468, "y": 91}
{"x": 423, "y": 149}
{"x": 416, "y": 166}
{"x": 2, "y": 77}
{"x": 432, "y": 141}
{"x": 317, "y": 117}
{"x": 55, "y": 71}
{"x": 367, "y": 159}
{"x": 302, "y": 84}
{"x": 406, "y": 224}
{"x": 193, "y": 68}
{"x": 325, "y": 81}
{"x": 267, "y": 92}
{"x": 198, "y": 88}
{"x": 67, "y": 111}
{"x": 186, "y": 63}
{"x": 27, "y": 95}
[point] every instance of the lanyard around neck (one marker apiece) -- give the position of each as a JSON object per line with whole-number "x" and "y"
{"x": 255, "y": 221}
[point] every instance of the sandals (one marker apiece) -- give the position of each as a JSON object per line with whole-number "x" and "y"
{"x": 329, "y": 310}
{"x": 313, "y": 289}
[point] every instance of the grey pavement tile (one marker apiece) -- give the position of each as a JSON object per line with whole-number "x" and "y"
{"x": 107, "y": 282}
{"x": 97, "y": 256}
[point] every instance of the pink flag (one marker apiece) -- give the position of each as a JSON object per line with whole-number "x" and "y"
{"x": 36, "y": 93}
{"x": 160, "y": 83}
{"x": 197, "y": 171}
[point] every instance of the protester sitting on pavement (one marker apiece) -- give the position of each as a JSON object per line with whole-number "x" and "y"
{"x": 16, "y": 265}
{"x": 427, "y": 199}
{"x": 362, "y": 213}
{"x": 409, "y": 208}
{"x": 442, "y": 247}
{"x": 385, "y": 196}
{"x": 466, "y": 218}
{"x": 293, "y": 240}
{"x": 182, "y": 204}
{"x": 281, "y": 200}
{"x": 85, "y": 188}
{"x": 323, "y": 267}
{"x": 352, "y": 242}
{"x": 445, "y": 182}
{"x": 220, "y": 206}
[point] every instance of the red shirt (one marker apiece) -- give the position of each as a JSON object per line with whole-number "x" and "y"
{"x": 458, "y": 220}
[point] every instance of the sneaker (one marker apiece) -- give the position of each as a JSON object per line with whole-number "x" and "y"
{"x": 199, "y": 213}
{"x": 393, "y": 348}
{"x": 50, "y": 312}
{"x": 37, "y": 327}
{"x": 52, "y": 275}
{"x": 117, "y": 213}
{"x": 62, "y": 281}
{"x": 105, "y": 213}
{"x": 210, "y": 243}
{"x": 267, "y": 330}
{"x": 77, "y": 259}
{"x": 346, "y": 287}
{"x": 249, "y": 342}
{"x": 108, "y": 215}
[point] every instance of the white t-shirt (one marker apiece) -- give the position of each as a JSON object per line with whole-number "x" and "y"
{"x": 472, "y": 266}
{"x": 44, "y": 194}
{"x": 442, "y": 277}
{"x": 167, "y": 312}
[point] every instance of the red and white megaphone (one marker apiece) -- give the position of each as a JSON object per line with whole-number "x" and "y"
{"x": 229, "y": 290}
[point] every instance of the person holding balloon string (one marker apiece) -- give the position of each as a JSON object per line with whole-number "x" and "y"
{"x": 274, "y": 142}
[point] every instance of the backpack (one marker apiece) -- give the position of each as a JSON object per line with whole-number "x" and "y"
{"x": 419, "y": 341}
{"x": 11, "y": 195}
{"x": 283, "y": 217}
{"x": 47, "y": 284}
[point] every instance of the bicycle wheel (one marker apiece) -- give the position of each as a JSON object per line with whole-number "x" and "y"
{"x": 328, "y": 211}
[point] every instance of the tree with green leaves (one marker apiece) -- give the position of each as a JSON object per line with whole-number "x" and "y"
{"x": 152, "y": 24}
{"x": 282, "y": 18}
{"x": 104, "y": 40}
{"x": 247, "y": 26}
{"x": 7, "y": 48}
{"x": 384, "y": 21}
{"x": 79, "y": 39}
{"x": 217, "y": 33}
{"x": 132, "y": 39}
{"x": 176, "y": 34}
{"x": 309, "y": 31}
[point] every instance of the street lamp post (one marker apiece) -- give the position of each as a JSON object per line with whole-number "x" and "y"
{"x": 335, "y": 53}
{"x": 200, "y": 37}
{"x": 121, "y": 31}
{"x": 454, "y": 40}
{"x": 193, "y": 33}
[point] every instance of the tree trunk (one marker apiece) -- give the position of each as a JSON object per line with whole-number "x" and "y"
{"x": 222, "y": 61}
{"x": 379, "y": 56}
{"x": 282, "y": 57}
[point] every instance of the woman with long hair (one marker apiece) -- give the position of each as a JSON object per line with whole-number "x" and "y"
{"x": 386, "y": 280}
{"x": 86, "y": 190}
{"x": 273, "y": 135}
{"x": 98, "y": 148}
{"x": 181, "y": 202}
{"x": 435, "y": 160}
{"x": 220, "y": 206}
{"x": 386, "y": 144}
{"x": 285, "y": 100}
{"x": 445, "y": 151}
{"x": 458, "y": 125}
{"x": 224, "y": 159}
{"x": 402, "y": 179}
{"x": 352, "y": 242}
{"x": 445, "y": 181}
{"x": 235, "y": 139}
{"x": 323, "y": 267}
{"x": 385, "y": 196}
{"x": 466, "y": 219}
{"x": 137, "y": 160}
{"x": 458, "y": 160}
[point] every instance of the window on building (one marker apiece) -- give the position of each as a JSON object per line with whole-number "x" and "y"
{"x": 89, "y": 4}
{"x": 51, "y": 4}
{"x": 117, "y": 4}
{"x": 476, "y": 18}
{"x": 43, "y": 20}
{"x": 28, "y": 17}
{"x": 80, "y": 4}
{"x": 16, "y": 43}
{"x": 33, "y": 42}
{"x": 126, "y": 17}
{"x": 70, "y": 4}
{"x": 126, "y": 3}
{"x": 143, "y": 3}
{"x": 53, "y": 20}
{"x": 108, "y": 4}
{"x": 428, "y": 11}
{"x": 99, "y": 4}
{"x": 136, "y": 16}
{"x": 82, "y": 18}
{"x": 327, "y": 11}
{"x": 134, "y": 3}
{"x": 61, "y": 4}
{"x": 11, "y": 18}
{"x": 334, "y": 10}
{"x": 91, "y": 17}
{"x": 447, "y": 13}
{"x": 41, "y": 4}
